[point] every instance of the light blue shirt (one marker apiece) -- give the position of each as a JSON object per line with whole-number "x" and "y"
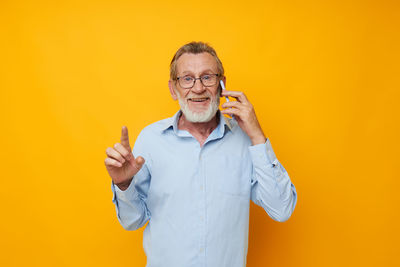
{"x": 197, "y": 199}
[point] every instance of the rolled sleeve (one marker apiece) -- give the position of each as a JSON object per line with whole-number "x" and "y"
{"x": 272, "y": 188}
{"x": 263, "y": 153}
{"x": 131, "y": 210}
{"x": 130, "y": 194}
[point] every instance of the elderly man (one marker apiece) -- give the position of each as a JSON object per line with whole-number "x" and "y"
{"x": 191, "y": 176}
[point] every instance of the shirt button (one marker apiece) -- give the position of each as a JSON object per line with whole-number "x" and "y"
{"x": 201, "y": 217}
{"x": 201, "y": 188}
{"x": 201, "y": 249}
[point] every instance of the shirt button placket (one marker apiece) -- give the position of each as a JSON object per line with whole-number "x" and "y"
{"x": 202, "y": 209}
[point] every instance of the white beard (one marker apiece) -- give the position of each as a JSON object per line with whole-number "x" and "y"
{"x": 204, "y": 116}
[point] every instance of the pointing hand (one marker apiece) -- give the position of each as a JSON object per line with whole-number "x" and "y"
{"x": 120, "y": 162}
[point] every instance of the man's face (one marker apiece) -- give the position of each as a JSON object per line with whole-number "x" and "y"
{"x": 199, "y": 103}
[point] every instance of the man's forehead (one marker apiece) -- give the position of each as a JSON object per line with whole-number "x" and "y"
{"x": 189, "y": 62}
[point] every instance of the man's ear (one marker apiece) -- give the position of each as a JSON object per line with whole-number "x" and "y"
{"x": 171, "y": 87}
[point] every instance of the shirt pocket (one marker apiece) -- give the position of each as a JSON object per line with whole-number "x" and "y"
{"x": 233, "y": 176}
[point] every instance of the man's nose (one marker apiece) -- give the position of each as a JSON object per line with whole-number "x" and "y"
{"x": 198, "y": 86}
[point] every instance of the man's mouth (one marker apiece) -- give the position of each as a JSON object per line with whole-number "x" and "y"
{"x": 198, "y": 99}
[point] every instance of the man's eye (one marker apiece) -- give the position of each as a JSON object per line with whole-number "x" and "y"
{"x": 206, "y": 77}
{"x": 187, "y": 78}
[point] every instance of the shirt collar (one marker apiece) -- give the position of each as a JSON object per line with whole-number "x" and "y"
{"x": 224, "y": 122}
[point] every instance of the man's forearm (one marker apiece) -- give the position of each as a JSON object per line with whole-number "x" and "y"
{"x": 131, "y": 211}
{"x": 273, "y": 189}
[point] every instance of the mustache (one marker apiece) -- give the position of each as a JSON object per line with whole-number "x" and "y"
{"x": 198, "y": 96}
{"x": 207, "y": 94}
{"x": 203, "y": 96}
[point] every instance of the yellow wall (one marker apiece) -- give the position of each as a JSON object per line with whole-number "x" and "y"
{"x": 322, "y": 75}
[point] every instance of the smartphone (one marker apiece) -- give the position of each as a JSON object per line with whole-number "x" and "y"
{"x": 222, "y": 86}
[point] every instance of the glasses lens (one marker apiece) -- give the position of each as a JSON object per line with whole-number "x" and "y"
{"x": 209, "y": 80}
{"x": 186, "y": 81}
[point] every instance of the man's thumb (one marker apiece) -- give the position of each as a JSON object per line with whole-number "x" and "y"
{"x": 139, "y": 161}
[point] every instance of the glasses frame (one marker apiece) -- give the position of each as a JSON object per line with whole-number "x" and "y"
{"x": 199, "y": 78}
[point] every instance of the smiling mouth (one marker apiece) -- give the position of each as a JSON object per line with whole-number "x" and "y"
{"x": 203, "y": 99}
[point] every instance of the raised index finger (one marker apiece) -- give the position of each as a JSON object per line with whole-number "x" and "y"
{"x": 125, "y": 138}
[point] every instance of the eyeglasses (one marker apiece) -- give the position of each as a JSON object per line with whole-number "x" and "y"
{"x": 206, "y": 80}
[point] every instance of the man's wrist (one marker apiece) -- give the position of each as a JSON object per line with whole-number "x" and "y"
{"x": 123, "y": 186}
{"x": 260, "y": 139}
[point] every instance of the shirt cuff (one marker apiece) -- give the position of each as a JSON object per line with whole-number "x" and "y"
{"x": 129, "y": 194}
{"x": 262, "y": 153}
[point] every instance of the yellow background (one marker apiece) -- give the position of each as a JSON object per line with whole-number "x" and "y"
{"x": 323, "y": 77}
